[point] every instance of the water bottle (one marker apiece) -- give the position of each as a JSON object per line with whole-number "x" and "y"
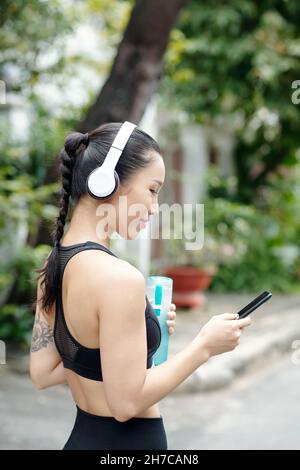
{"x": 159, "y": 293}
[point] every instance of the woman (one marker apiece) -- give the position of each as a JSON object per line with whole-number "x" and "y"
{"x": 89, "y": 331}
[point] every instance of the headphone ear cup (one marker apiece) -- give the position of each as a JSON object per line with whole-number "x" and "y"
{"x": 102, "y": 198}
{"x": 117, "y": 183}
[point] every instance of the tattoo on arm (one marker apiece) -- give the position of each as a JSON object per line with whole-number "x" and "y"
{"x": 41, "y": 335}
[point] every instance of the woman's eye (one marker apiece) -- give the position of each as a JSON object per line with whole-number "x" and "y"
{"x": 153, "y": 192}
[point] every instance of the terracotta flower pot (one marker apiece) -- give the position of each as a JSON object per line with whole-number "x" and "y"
{"x": 187, "y": 278}
{"x": 188, "y": 284}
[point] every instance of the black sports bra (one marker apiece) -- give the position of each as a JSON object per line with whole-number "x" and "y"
{"x": 81, "y": 359}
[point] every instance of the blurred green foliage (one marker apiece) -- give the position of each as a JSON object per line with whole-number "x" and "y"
{"x": 262, "y": 240}
{"x": 29, "y": 30}
{"x": 233, "y": 63}
{"x": 16, "y": 317}
{"x": 247, "y": 247}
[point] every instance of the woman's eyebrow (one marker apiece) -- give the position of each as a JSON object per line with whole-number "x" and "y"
{"x": 158, "y": 181}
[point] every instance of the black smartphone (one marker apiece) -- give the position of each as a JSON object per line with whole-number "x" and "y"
{"x": 244, "y": 312}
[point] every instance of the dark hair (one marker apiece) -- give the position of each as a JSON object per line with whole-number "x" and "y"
{"x": 82, "y": 153}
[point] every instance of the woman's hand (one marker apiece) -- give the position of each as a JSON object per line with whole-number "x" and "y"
{"x": 222, "y": 333}
{"x": 172, "y": 316}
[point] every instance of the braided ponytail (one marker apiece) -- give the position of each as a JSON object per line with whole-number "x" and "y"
{"x": 75, "y": 143}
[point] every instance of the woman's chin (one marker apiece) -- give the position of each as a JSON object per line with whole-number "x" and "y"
{"x": 132, "y": 230}
{"x": 130, "y": 234}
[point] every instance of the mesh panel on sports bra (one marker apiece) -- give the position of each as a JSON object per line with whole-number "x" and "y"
{"x": 83, "y": 360}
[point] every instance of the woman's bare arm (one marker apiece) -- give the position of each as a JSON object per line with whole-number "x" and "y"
{"x": 129, "y": 386}
{"x": 164, "y": 378}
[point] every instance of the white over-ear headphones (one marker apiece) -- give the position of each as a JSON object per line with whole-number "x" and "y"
{"x": 104, "y": 181}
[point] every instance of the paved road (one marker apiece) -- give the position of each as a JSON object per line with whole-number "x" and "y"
{"x": 261, "y": 411}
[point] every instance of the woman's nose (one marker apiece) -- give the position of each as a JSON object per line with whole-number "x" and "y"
{"x": 154, "y": 209}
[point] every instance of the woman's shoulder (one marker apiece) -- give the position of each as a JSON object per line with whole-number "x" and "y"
{"x": 99, "y": 264}
{"x": 112, "y": 280}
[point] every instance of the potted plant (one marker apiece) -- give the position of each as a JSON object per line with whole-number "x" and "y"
{"x": 192, "y": 273}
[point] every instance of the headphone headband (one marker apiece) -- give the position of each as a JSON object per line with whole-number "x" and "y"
{"x": 117, "y": 146}
{"x": 123, "y": 135}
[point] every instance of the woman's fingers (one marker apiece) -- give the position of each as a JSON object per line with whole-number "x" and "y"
{"x": 172, "y": 312}
{"x": 171, "y": 320}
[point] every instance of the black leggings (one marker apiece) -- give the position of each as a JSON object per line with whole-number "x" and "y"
{"x": 93, "y": 432}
